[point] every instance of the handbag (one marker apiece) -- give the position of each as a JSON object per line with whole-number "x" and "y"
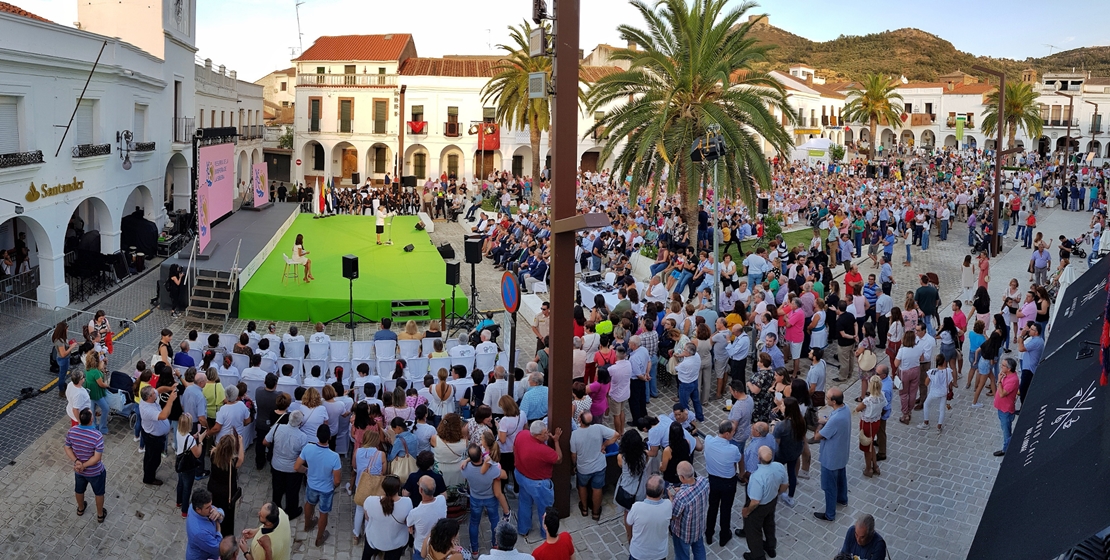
{"x": 186, "y": 461}
{"x": 897, "y": 383}
{"x": 864, "y": 439}
{"x": 624, "y": 499}
{"x": 817, "y": 398}
{"x": 867, "y": 360}
{"x": 370, "y": 484}
{"x": 403, "y": 466}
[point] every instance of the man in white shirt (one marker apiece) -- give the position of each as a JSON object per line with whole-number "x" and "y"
{"x": 496, "y": 390}
{"x": 656, "y": 292}
{"x": 320, "y": 336}
{"x": 650, "y": 521}
{"x": 233, "y": 416}
{"x": 462, "y": 350}
{"x": 291, "y": 339}
{"x": 254, "y": 372}
{"x": 271, "y": 335}
{"x": 687, "y": 372}
{"x": 927, "y": 345}
{"x": 486, "y": 346}
{"x": 424, "y": 516}
{"x": 77, "y": 397}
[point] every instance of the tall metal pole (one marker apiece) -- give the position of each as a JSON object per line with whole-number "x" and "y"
{"x": 564, "y": 120}
{"x": 716, "y": 242}
{"x": 1067, "y": 143}
{"x": 996, "y": 240}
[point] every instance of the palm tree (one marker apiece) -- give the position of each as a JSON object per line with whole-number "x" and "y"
{"x": 509, "y": 91}
{"x": 1022, "y": 110}
{"x": 693, "y": 73}
{"x": 872, "y": 101}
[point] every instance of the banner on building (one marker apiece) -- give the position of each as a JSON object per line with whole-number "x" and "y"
{"x": 217, "y": 176}
{"x": 960, "y": 128}
{"x": 259, "y": 184}
{"x": 204, "y": 218}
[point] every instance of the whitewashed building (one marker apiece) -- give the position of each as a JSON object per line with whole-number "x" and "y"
{"x": 224, "y": 100}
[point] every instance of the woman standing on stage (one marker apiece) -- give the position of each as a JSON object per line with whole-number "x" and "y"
{"x": 300, "y": 257}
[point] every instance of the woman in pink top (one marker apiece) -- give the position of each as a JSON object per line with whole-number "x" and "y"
{"x": 984, "y": 269}
{"x": 1005, "y": 400}
{"x": 1027, "y": 312}
{"x": 599, "y": 394}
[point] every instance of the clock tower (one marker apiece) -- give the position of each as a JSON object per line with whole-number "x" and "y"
{"x": 147, "y": 24}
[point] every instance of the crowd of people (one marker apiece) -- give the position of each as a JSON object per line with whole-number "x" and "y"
{"x": 418, "y": 453}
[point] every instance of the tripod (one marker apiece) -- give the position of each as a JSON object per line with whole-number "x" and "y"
{"x": 455, "y": 321}
{"x": 350, "y": 314}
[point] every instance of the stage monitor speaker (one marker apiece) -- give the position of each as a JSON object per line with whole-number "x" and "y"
{"x": 354, "y": 178}
{"x": 409, "y": 248}
{"x": 119, "y": 262}
{"x": 762, "y": 205}
{"x": 871, "y": 171}
{"x": 350, "y": 267}
{"x": 473, "y": 250}
{"x": 408, "y": 181}
{"x": 419, "y": 226}
{"x": 454, "y": 271}
{"x": 446, "y": 251}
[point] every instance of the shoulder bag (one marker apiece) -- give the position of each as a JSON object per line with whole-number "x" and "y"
{"x": 624, "y": 499}
{"x": 403, "y": 466}
{"x": 370, "y": 484}
{"x": 186, "y": 461}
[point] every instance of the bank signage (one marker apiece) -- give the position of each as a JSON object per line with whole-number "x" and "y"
{"x": 34, "y": 193}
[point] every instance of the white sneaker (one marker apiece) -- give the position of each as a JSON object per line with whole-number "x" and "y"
{"x": 136, "y": 439}
{"x": 786, "y": 499}
{"x": 923, "y": 426}
{"x": 977, "y": 405}
{"x": 803, "y": 474}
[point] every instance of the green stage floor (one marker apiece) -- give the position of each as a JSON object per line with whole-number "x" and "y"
{"x": 386, "y": 272}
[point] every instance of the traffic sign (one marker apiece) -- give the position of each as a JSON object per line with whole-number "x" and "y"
{"x": 510, "y": 292}
{"x": 298, "y": 162}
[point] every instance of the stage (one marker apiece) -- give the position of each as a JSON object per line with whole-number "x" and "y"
{"x": 387, "y": 274}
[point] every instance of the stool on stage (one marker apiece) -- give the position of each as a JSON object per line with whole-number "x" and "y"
{"x": 290, "y": 266}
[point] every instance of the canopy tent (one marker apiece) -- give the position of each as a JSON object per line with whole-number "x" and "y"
{"x": 816, "y": 149}
{"x": 1067, "y": 277}
{"x": 1052, "y": 489}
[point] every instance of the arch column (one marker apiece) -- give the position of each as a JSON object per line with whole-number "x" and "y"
{"x": 53, "y": 289}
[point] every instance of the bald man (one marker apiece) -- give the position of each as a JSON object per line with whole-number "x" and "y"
{"x": 764, "y": 487}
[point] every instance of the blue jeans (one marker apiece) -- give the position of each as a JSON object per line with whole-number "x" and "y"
{"x": 929, "y": 328}
{"x": 595, "y": 264}
{"x": 924, "y": 241}
{"x": 101, "y": 404}
{"x": 657, "y": 268}
{"x": 970, "y": 237}
{"x": 185, "y": 489}
{"x": 754, "y": 280}
{"x": 835, "y": 485}
{"x": 859, "y": 244}
{"x": 686, "y": 391}
{"x": 1020, "y": 232}
{"x": 476, "y": 507}
{"x": 739, "y": 445}
{"x": 908, "y": 257}
{"x": 1027, "y": 241}
{"x": 538, "y": 493}
{"x": 653, "y": 390}
{"x": 1007, "y": 421}
{"x": 1005, "y": 227}
{"x": 683, "y": 279}
{"x": 63, "y": 371}
{"x": 944, "y": 230}
{"x": 133, "y": 408}
{"x": 682, "y": 548}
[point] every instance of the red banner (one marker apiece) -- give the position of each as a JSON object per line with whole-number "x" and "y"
{"x": 417, "y": 127}
{"x": 489, "y": 136}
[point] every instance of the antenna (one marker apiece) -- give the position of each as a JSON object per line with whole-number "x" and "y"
{"x": 1050, "y": 47}
{"x": 300, "y": 36}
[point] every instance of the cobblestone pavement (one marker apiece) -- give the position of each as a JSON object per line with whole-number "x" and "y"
{"x": 927, "y": 503}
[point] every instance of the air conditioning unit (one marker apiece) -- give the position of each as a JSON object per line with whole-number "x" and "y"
{"x": 537, "y": 85}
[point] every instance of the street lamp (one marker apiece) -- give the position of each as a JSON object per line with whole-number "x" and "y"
{"x": 1095, "y": 124}
{"x": 1067, "y": 143}
{"x": 996, "y": 239}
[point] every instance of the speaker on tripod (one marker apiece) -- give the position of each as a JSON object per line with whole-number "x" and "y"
{"x": 454, "y": 274}
{"x": 350, "y": 272}
{"x": 473, "y": 250}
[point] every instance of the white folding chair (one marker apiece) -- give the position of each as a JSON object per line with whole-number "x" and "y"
{"x": 295, "y": 350}
{"x": 196, "y": 355}
{"x": 385, "y": 349}
{"x": 503, "y": 360}
{"x": 253, "y": 344}
{"x": 610, "y": 277}
{"x": 253, "y": 385}
{"x": 296, "y": 363}
{"x": 385, "y": 368}
{"x": 309, "y": 363}
{"x": 355, "y": 363}
{"x": 229, "y": 380}
{"x": 418, "y": 368}
{"x": 348, "y": 372}
{"x": 318, "y": 350}
{"x": 241, "y": 362}
{"x": 228, "y": 340}
{"x": 343, "y": 438}
{"x": 436, "y": 364}
{"x": 468, "y": 363}
{"x": 408, "y": 348}
{"x": 202, "y": 338}
{"x": 485, "y": 362}
{"x": 362, "y": 349}
{"x": 427, "y": 346}
{"x": 340, "y": 350}
{"x": 268, "y": 365}
{"x": 451, "y": 343}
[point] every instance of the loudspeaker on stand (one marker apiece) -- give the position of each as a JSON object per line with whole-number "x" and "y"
{"x": 350, "y": 267}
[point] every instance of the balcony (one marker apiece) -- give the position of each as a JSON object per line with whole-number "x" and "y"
{"x": 418, "y": 127}
{"x": 951, "y": 123}
{"x": 20, "y": 158}
{"x": 91, "y": 150}
{"x": 346, "y": 80}
{"x": 142, "y": 147}
{"x": 601, "y": 133}
{"x": 250, "y": 132}
{"x": 921, "y": 119}
{"x": 1096, "y": 128}
{"x": 314, "y": 124}
{"x": 1061, "y": 123}
{"x": 183, "y": 130}
{"x": 452, "y": 130}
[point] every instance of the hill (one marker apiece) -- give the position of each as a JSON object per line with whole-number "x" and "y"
{"x": 916, "y": 54}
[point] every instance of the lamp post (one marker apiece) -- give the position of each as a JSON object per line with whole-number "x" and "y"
{"x": 996, "y": 240}
{"x": 1095, "y": 124}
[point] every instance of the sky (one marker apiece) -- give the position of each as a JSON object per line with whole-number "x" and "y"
{"x": 255, "y": 37}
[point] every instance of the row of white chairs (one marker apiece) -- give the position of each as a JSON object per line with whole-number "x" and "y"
{"x": 416, "y": 368}
{"x": 341, "y": 350}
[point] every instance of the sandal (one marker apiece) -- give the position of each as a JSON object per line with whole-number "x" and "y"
{"x": 597, "y": 514}
{"x": 582, "y": 509}
{"x": 84, "y": 506}
{"x": 100, "y": 518}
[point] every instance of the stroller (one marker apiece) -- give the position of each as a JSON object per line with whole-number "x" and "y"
{"x": 980, "y": 241}
{"x": 121, "y": 401}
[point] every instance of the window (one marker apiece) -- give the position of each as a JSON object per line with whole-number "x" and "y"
{"x": 453, "y": 114}
{"x": 909, "y": 108}
{"x": 201, "y": 125}
{"x": 83, "y": 124}
{"x": 381, "y": 76}
{"x": 9, "y": 125}
{"x": 212, "y": 118}
{"x": 929, "y": 108}
{"x": 283, "y": 86}
{"x": 319, "y": 74}
{"x": 420, "y": 165}
{"x": 317, "y": 157}
{"x": 380, "y": 107}
{"x": 139, "y": 127}
{"x": 518, "y": 166}
{"x": 314, "y": 114}
{"x": 453, "y": 165}
{"x": 489, "y": 114}
{"x": 417, "y": 113}
{"x": 222, "y": 118}
{"x": 346, "y": 114}
{"x": 284, "y": 103}
{"x": 349, "y": 75}
{"x": 379, "y": 160}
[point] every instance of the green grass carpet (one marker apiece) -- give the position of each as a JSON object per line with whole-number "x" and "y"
{"x": 386, "y": 272}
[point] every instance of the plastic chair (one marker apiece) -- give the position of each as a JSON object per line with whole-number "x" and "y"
{"x": 291, "y": 270}
{"x": 418, "y": 368}
{"x": 318, "y": 350}
{"x": 354, "y": 367}
{"x": 347, "y": 370}
{"x": 503, "y": 360}
{"x": 361, "y": 349}
{"x": 427, "y": 346}
{"x": 241, "y": 362}
{"x": 295, "y": 350}
{"x": 468, "y": 363}
{"x": 229, "y": 380}
{"x": 340, "y": 350}
{"x": 485, "y": 362}
{"x": 386, "y": 367}
{"x": 196, "y": 355}
{"x": 295, "y": 362}
{"x": 253, "y": 385}
{"x": 385, "y": 349}
{"x": 268, "y": 365}
{"x": 610, "y": 277}
{"x": 436, "y": 364}
{"x": 228, "y": 340}
{"x": 307, "y": 364}
{"x": 408, "y": 348}
{"x": 451, "y": 343}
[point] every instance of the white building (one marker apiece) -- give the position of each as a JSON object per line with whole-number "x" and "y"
{"x": 816, "y": 105}
{"x": 224, "y": 100}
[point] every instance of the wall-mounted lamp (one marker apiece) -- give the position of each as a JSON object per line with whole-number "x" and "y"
{"x": 123, "y": 146}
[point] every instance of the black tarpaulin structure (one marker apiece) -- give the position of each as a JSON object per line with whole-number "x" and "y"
{"x": 1053, "y": 488}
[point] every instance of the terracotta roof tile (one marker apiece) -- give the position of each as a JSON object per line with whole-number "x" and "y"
{"x": 16, "y": 10}
{"x": 453, "y": 67}
{"x": 591, "y": 74}
{"x": 1097, "y": 81}
{"x": 971, "y": 89}
{"x": 922, "y": 85}
{"x": 358, "y": 47}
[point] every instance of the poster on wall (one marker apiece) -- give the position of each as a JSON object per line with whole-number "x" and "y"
{"x": 217, "y": 177}
{"x": 258, "y": 184}
{"x": 204, "y": 221}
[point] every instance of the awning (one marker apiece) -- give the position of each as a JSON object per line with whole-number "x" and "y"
{"x": 1053, "y": 489}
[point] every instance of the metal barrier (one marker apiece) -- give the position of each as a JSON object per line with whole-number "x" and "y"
{"x": 77, "y": 319}
{"x": 20, "y": 284}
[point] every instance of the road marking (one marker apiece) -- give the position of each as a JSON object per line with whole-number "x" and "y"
{"x": 141, "y": 315}
{"x": 47, "y": 387}
{"x": 9, "y": 405}
{"x": 117, "y": 336}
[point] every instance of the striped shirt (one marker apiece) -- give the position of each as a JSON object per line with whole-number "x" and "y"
{"x": 86, "y": 442}
{"x": 689, "y": 508}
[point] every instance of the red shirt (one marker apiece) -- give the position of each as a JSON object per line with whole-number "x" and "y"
{"x": 533, "y": 458}
{"x": 562, "y": 549}
{"x": 849, "y": 279}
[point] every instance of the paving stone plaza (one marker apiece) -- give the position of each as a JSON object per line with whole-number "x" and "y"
{"x": 927, "y": 503}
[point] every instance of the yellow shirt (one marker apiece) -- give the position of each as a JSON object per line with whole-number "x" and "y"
{"x": 214, "y": 394}
{"x": 733, "y": 319}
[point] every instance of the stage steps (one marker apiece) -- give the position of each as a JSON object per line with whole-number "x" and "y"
{"x": 210, "y": 304}
{"x": 412, "y": 309}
